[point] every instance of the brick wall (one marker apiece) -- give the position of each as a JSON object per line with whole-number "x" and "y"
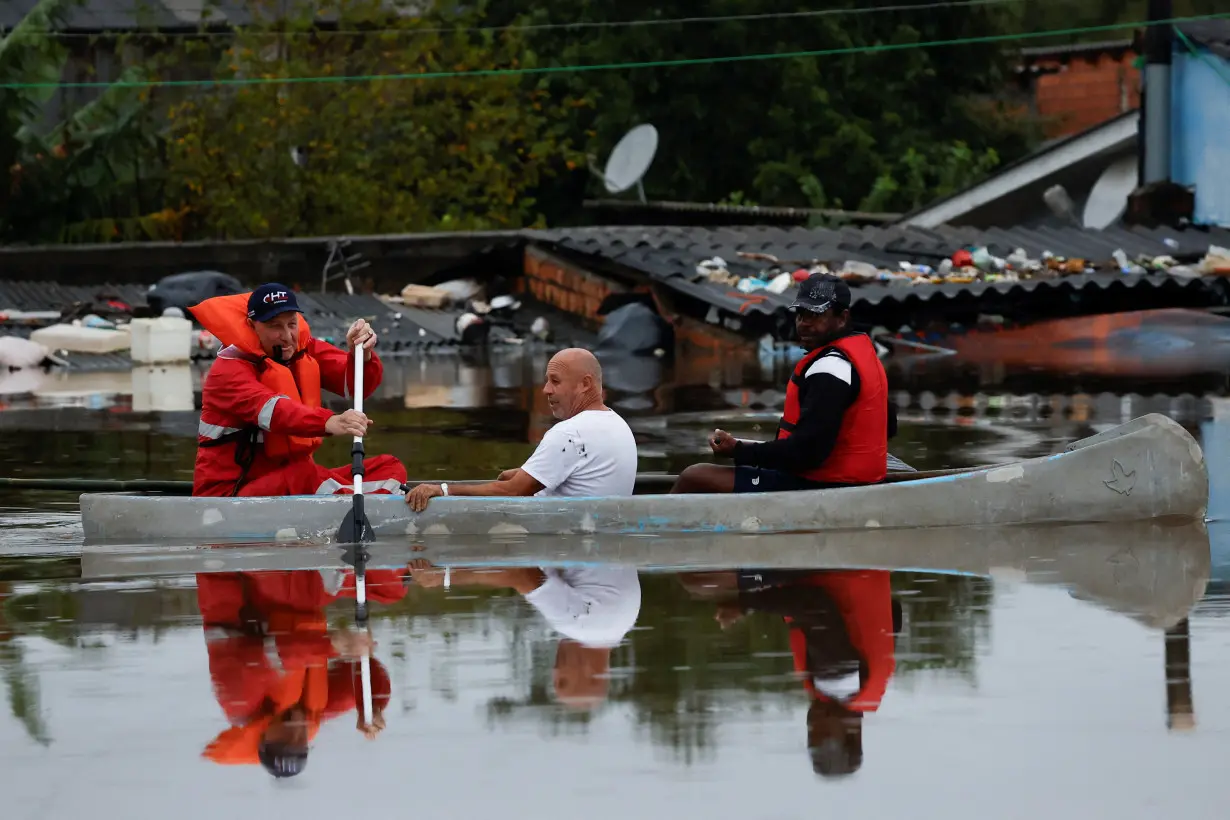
{"x": 565, "y": 286}
{"x": 1075, "y": 92}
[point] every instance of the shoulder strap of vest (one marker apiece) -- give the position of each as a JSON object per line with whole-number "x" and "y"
{"x": 806, "y": 362}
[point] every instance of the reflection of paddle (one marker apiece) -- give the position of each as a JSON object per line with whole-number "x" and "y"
{"x": 355, "y": 530}
{"x": 1180, "y": 711}
{"x": 365, "y": 660}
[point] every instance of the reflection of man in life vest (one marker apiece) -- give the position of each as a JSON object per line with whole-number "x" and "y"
{"x": 261, "y": 414}
{"x": 842, "y": 635}
{"x": 278, "y": 671}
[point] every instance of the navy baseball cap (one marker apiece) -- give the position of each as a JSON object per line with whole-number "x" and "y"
{"x": 820, "y": 292}
{"x": 270, "y": 300}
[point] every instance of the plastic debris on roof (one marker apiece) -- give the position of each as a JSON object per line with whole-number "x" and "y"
{"x": 967, "y": 265}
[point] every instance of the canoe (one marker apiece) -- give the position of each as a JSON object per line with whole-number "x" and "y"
{"x": 1148, "y": 468}
{"x": 1154, "y": 572}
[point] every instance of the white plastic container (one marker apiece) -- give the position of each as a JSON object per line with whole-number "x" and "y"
{"x": 165, "y": 339}
{"x": 162, "y": 388}
{"x": 81, "y": 339}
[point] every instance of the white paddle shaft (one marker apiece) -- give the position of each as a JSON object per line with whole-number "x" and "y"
{"x": 365, "y": 674}
{"x": 365, "y": 662}
{"x": 358, "y": 406}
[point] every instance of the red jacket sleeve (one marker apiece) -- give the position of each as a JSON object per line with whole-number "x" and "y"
{"x": 234, "y": 387}
{"x": 337, "y": 370}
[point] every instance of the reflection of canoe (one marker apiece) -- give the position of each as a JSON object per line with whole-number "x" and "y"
{"x": 1152, "y": 571}
{"x": 1148, "y": 468}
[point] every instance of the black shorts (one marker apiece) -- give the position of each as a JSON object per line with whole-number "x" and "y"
{"x": 761, "y": 480}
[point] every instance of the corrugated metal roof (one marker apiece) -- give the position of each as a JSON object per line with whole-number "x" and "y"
{"x": 670, "y": 255}
{"x": 1068, "y": 49}
{"x": 1212, "y": 34}
{"x": 401, "y": 328}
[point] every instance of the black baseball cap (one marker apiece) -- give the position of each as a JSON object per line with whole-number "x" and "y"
{"x": 271, "y": 300}
{"x": 821, "y": 292}
{"x": 282, "y": 760}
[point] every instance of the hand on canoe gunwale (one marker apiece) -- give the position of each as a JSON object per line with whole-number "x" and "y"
{"x": 418, "y": 496}
{"x": 424, "y": 573}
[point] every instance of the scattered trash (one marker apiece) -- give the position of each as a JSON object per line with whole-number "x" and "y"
{"x": 424, "y": 296}
{"x": 1216, "y": 262}
{"x": 94, "y": 320}
{"x": 635, "y": 329}
{"x": 974, "y": 263}
{"x": 472, "y": 329}
{"x": 77, "y": 339}
{"x": 780, "y": 283}
{"x": 17, "y": 353}
{"x": 541, "y": 329}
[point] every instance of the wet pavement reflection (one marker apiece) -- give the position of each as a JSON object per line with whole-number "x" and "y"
{"x": 1071, "y": 671}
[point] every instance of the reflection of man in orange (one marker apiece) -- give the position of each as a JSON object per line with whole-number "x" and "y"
{"x": 276, "y": 706}
{"x": 842, "y": 627}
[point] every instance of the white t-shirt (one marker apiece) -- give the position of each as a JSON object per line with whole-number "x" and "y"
{"x": 595, "y": 606}
{"x": 591, "y": 454}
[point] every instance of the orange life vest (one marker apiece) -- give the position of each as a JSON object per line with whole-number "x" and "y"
{"x": 226, "y": 317}
{"x": 860, "y": 455}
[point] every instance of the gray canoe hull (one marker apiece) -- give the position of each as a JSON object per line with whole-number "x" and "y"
{"x": 1149, "y": 468}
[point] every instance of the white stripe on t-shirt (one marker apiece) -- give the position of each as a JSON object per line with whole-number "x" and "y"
{"x": 834, "y": 364}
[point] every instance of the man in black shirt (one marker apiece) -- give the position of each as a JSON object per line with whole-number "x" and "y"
{"x": 836, "y": 422}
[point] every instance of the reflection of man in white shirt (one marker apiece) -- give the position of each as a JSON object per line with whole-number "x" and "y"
{"x": 590, "y": 452}
{"x": 593, "y": 607}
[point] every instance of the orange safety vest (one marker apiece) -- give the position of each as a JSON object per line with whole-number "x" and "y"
{"x": 226, "y": 317}
{"x": 860, "y": 455}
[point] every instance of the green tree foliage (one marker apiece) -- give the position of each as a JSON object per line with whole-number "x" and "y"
{"x": 882, "y": 128}
{"x": 376, "y": 155}
{"x": 79, "y": 177}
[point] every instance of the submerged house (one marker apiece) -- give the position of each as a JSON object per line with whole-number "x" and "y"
{"x": 1097, "y": 168}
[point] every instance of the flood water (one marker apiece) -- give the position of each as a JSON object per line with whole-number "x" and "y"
{"x": 1082, "y": 672}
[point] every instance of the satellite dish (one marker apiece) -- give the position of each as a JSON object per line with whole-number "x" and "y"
{"x": 1108, "y": 199}
{"x": 630, "y": 159}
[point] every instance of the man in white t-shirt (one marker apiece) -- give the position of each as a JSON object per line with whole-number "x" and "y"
{"x": 590, "y": 452}
{"x": 592, "y": 607}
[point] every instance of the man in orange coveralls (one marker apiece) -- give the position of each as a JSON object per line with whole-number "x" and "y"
{"x": 276, "y": 707}
{"x": 261, "y": 414}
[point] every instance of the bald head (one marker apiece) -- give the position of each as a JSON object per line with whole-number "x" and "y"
{"x": 574, "y": 383}
{"x": 580, "y": 361}
{"x": 580, "y": 677}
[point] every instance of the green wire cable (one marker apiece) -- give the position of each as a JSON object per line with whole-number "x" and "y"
{"x": 567, "y": 69}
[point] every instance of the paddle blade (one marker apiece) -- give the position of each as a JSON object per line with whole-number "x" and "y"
{"x": 353, "y": 555}
{"x": 346, "y": 534}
